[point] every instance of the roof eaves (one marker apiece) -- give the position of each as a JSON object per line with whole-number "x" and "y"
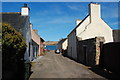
{"x": 106, "y": 23}
{"x": 10, "y": 12}
{"x": 78, "y": 25}
{"x": 42, "y": 39}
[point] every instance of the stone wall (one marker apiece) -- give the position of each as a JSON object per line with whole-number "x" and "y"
{"x": 116, "y": 35}
{"x": 99, "y": 43}
{"x": 36, "y": 38}
{"x": 88, "y": 51}
{"x": 21, "y": 24}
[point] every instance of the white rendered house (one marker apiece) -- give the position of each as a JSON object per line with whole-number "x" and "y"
{"x": 90, "y": 27}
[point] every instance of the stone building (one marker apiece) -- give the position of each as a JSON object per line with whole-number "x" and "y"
{"x": 62, "y": 44}
{"x": 42, "y": 45}
{"x": 91, "y": 26}
{"x": 20, "y": 21}
{"x": 116, "y": 35}
{"x": 35, "y": 42}
{"x": 65, "y": 44}
{"x": 88, "y": 51}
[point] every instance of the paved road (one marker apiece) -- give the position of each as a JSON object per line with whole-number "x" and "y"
{"x": 56, "y": 66}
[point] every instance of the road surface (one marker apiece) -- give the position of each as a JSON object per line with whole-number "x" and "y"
{"x": 56, "y": 66}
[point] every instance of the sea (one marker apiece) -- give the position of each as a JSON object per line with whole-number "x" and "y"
{"x": 51, "y": 47}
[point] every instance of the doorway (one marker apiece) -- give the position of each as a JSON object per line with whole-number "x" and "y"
{"x": 85, "y": 53}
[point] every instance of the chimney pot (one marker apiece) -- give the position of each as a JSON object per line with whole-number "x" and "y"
{"x": 25, "y": 10}
{"x": 78, "y": 21}
{"x": 25, "y": 5}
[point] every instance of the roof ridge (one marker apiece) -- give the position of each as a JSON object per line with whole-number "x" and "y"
{"x": 10, "y": 12}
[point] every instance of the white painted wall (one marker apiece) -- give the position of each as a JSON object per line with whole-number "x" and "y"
{"x": 62, "y": 44}
{"x": 25, "y": 11}
{"x": 80, "y": 29}
{"x": 28, "y": 56}
{"x": 72, "y": 45}
{"x": 35, "y": 37}
{"x": 72, "y": 40}
{"x": 27, "y": 35}
{"x": 94, "y": 26}
{"x": 93, "y": 30}
{"x": 65, "y": 44}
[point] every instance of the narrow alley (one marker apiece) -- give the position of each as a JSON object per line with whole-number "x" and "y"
{"x": 56, "y": 66}
{"x": 60, "y": 40}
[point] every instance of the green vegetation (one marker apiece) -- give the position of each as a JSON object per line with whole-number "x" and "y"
{"x": 43, "y": 53}
{"x": 13, "y": 49}
{"x": 13, "y": 43}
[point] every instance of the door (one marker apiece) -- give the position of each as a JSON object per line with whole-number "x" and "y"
{"x": 29, "y": 49}
{"x": 85, "y": 54}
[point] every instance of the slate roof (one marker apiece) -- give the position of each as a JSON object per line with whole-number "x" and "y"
{"x": 15, "y": 20}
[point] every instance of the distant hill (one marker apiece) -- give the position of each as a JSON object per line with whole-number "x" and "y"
{"x": 51, "y": 42}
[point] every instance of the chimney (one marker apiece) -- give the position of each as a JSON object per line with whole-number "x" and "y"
{"x": 94, "y": 11}
{"x": 35, "y": 30}
{"x": 25, "y": 10}
{"x": 31, "y": 25}
{"x": 78, "y": 21}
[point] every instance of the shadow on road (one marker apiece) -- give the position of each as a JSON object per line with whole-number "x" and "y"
{"x": 98, "y": 70}
{"x": 104, "y": 73}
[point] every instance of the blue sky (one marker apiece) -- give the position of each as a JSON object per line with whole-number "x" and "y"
{"x": 55, "y": 20}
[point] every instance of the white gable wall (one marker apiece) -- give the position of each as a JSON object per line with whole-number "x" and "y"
{"x": 108, "y": 32}
{"x": 94, "y": 29}
{"x": 65, "y": 44}
{"x": 72, "y": 52}
{"x": 80, "y": 29}
{"x": 93, "y": 26}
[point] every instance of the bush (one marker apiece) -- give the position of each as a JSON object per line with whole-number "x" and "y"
{"x": 13, "y": 43}
{"x": 13, "y": 48}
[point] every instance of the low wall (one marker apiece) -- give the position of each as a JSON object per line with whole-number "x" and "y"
{"x": 86, "y": 51}
{"x": 110, "y": 57}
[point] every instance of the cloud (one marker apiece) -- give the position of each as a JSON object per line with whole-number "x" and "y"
{"x": 73, "y": 7}
{"x": 54, "y": 20}
{"x": 45, "y": 12}
{"x": 58, "y": 11}
{"x": 115, "y": 23}
{"x": 60, "y": 20}
{"x": 110, "y": 14}
{"x": 78, "y": 6}
{"x": 110, "y": 10}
